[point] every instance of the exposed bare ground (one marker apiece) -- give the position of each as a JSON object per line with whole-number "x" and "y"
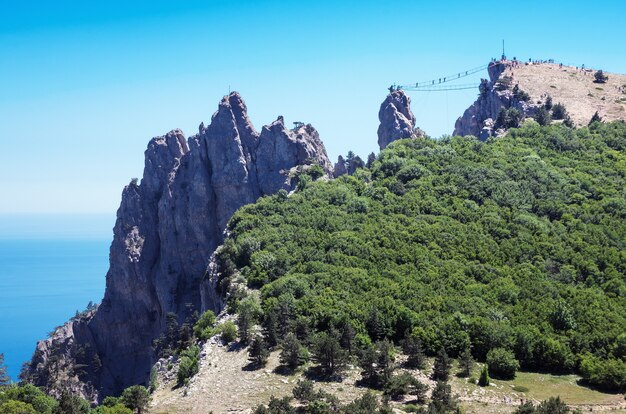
{"x": 225, "y": 385}
{"x": 575, "y": 88}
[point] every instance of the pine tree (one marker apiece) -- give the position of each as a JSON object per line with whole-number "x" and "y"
{"x": 136, "y": 398}
{"x": 4, "y": 376}
{"x": 327, "y": 353}
{"x": 543, "y": 117}
{"x": 258, "y": 352}
{"x": 385, "y": 363}
{"x": 442, "y": 400}
{"x": 292, "y": 354}
{"x": 370, "y": 160}
{"x": 367, "y": 362}
{"x": 483, "y": 381}
{"x": 441, "y": 369}
{"x": 412, "y": 347}
{"x": 466, "y": 363}
{"x": 595, "y": 118}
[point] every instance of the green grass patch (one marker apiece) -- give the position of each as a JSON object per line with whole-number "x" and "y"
{"x": 599, "y": 89}
{"x": 520, "y": 388}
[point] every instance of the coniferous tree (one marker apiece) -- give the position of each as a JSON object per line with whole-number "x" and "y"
{"x": 412, "y": 347}
{"x": 483, "y": 380}
{"x": 4, "y": 376}
{"x": 136, "y": 398}
{"x": 543, "y": 117}
{"x": 293, "y": 354}
{"x": 595, "y": 118}
{"x": 441, "y": 369}
{"x": 385, "y": 363}
{"x": 258, "y": 353}
{"x": 328, "y": 354}
{"x": 442, "y": 400}
{"x": 370, "y": 160}
{"x": 466, "y": 363}
{"x": 72, "y": 404}
{"x": 367, "y": 362}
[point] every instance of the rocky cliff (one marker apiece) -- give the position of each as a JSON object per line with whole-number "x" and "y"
{"x": 529, "y": 86}
{"x": 167, "y": 227}
{"x": 396, "y": 119}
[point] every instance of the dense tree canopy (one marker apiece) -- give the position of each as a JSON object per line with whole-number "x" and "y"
{"x": 518, "y": 243}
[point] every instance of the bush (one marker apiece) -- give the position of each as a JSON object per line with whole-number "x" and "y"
{"x": 502, "y": 363}
{"x": 400, "y": 385}
{"x": 559, "y": 111}
{"x": 229, "y": 331}
{"x": 543, "y": 117}
{"x": 483, "y": 380}
{"x": 600, "y": 77}
{"x": 608, "y": 374}
{"x": 189, "y": 365}
{"x": 204, "y": 328}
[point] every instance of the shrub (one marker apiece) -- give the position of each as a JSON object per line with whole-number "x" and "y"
{"x": 502, "y": 363}
{"x": 606, "y": 374}
{"x": 559, "y": 111}
{"x": 595, "y": 118}
{"x": 400, "y": 385}
{"x": 303, "y": 391}
{"x": 483, "y": 380}
{"x": 543, "y": 117}
{"x": 600, "y": 77}
{"x": 229, "y": 331}
{"x": 188, "y": 366}
{"x": 204, "y": 327}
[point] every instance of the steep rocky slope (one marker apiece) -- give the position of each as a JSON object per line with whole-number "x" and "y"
{"x": 166, "y": 230}
{"x": 573, "y": 87}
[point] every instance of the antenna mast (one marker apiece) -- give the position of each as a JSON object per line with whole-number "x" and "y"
{"x": 503, "y": 54}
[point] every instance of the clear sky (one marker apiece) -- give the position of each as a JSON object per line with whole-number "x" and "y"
{"x": 85, "y": 84}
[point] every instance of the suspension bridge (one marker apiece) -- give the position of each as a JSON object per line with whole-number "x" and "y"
{"x": 443, "y": 83}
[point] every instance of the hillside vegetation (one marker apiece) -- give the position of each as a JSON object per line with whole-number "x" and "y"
{"x": 517, "y": 243}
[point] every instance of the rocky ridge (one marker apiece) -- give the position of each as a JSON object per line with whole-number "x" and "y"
{"x": 528, "y": 86}
{"x": 166, "y": 230}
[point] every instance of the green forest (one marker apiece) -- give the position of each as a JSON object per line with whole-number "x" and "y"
{"x": 514, "y": 247}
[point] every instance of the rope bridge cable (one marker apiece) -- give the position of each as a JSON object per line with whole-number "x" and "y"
{"x": 444, "y": 79}
{"x": 433, "y": 88}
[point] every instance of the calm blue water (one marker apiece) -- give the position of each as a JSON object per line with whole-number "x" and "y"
{"x": 42, "y": 284}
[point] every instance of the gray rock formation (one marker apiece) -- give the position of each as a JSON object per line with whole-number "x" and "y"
{"x": 340, "y": 167}
{"x": 396, "y": 119}
{"x": 480, "y": 118}
{"x": 167, "y": 228}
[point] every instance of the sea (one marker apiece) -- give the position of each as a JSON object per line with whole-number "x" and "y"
{"x": 51, "y": 266}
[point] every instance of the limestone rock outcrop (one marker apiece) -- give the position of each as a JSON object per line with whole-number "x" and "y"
{"x": 480, "y": 118}
{"x": 167, "y": 228}
{"x": 396, "y": 119}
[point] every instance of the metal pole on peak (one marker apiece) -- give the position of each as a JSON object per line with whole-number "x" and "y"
{"x": 503, "y": 54}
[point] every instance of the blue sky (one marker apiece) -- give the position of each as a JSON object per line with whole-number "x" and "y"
{"x": 85, "y": 85}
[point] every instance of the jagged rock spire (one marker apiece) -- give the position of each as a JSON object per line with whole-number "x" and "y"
{"x": 396, "y": 119}
{"x": 167, "y": 228}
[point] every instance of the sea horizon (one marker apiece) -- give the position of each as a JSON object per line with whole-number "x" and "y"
{"x": 51, "y": 265}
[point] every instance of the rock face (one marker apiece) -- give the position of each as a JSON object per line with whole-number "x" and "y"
{"x": 480, "y": 118}
{"x": 396, "y": 119}
{"x": 167, "y": 228}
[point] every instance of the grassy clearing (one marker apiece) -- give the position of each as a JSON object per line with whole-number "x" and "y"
{"x": 538, "y": 387}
